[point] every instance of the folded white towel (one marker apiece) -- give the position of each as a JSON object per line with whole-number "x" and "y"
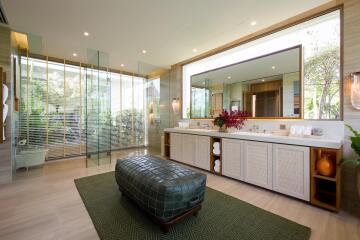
{"x": 217, "y": 168}
{"x": 217, "y": 162}
{"x": 216, "y": 148}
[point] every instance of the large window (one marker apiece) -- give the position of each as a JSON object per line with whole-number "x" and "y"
{"x": 320, "y": 38}
{"x": 53, "y": 107}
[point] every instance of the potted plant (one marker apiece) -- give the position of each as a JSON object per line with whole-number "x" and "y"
{"x": 355, "y": 145}
{"x": 230, "y": 119}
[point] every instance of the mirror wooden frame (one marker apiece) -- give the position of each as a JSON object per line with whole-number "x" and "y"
{"x": 301, "y": 68}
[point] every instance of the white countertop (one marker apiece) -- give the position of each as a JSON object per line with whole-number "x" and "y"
{"x": 264, "y": 137}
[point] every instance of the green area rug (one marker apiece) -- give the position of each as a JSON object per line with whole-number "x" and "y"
{"x": 221, "y": 217}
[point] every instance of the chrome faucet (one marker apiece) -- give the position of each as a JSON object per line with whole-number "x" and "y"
{"x": 206, "y": 125}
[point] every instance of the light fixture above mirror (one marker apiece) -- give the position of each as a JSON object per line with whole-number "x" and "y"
{"x": 355, "y": 90}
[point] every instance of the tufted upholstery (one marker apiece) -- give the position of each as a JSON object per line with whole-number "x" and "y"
{"x": 163, "y": 189}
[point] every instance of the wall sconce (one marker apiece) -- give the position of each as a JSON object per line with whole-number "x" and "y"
{"x": 175, "y": 105}
{"x": 355, "y": 90}
{"x": 151, "y": 113}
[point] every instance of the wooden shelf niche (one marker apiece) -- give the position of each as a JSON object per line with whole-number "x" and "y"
{"x": 214, "y": 157}
{"x": 325, "y": 190}
{"x": 167, "y": 144}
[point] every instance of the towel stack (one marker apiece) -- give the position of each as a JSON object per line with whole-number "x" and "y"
{"x": 216, "y": 151}
{"x": 216, "y": 148}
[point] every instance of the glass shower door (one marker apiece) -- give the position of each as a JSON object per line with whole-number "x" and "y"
{"x": 98, "y": 112}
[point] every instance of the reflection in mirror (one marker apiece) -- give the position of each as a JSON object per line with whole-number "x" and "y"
{"x": 266, "y": 87}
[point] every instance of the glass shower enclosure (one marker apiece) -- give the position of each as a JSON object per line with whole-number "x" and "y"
{"x": 98, "y": 109}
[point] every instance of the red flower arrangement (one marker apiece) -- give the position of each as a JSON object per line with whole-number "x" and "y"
{"x": 230, "y": 119}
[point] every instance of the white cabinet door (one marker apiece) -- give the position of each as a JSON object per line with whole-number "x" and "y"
{"x": 291, "y": 175}
{"x": 257, "y": 158}
{"x": 202, "y": 152}
{"x": 176, "y": 146}
{"x": 232, "y": 162}
{"x": 188, "y": 148}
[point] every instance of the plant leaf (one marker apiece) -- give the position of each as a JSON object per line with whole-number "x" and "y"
{"x": 355, "y": 144}
{"x": 356, "y": 133}
{"x": 344, "y": 161}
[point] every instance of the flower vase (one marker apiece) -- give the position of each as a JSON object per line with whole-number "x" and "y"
{"x": 223, "y": 129}
{"x": 325, "y": 166}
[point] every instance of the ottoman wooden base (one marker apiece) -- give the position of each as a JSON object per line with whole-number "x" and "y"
{"x": 166, "y": 226}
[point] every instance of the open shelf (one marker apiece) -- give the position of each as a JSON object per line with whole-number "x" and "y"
{"x": 214, "y": 157}
{"x": 325, "y": 177}
{"x": 167, "y": 144}
{"x": 325, "y": 190}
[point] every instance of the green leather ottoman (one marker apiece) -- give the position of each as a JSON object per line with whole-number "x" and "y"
{"x": 165, "y": 190}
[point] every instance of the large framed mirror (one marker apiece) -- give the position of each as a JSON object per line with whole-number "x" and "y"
{"x": 268, "y": 86}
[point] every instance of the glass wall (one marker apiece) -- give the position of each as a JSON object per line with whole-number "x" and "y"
{"x": 200, "y": 99}
{"x": 320, "y": 39}
{"x": 53, "y": 110}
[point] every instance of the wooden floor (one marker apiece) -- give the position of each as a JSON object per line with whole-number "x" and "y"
{"x": 44, "y": 204}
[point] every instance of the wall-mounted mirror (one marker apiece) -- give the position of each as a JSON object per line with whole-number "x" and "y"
{"x": 269, "y": 86}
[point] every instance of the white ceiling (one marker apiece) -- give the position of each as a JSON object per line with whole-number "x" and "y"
{"x": 168, "y": 30}
{"x": 284, "y": 62}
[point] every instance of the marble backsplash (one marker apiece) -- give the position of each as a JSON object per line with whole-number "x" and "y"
{"x": 331, "y": 129}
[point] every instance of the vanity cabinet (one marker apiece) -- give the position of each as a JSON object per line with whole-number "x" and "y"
{"x": 202, "y": 152}
{"x": 283, "y": 165}
{"x": 257, "y": 157}
{"x": 279, "y": 167}
{"x": 188, "y": 149}
{"x": 291, "y": 170}
{"x": 232, "y": 158}
{"x": 176, "y": 146}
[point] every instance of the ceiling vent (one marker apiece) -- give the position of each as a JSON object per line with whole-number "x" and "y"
{"x": 3, "y": 19}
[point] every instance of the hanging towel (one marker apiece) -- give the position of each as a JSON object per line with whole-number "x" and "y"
{"x": 5, "y": 112}
{"x": 5, "y": 90}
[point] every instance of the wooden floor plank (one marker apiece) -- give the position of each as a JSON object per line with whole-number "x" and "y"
{"x": 44, "y": 204}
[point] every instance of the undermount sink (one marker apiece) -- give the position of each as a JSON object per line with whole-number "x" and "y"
{"x": 253, "y": 133}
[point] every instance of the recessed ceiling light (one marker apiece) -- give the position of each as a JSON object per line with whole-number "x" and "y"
{"x": 144, "y": 51}
{"x": 263, "y": 80}
{"x": 74, "y": 54}
{"x": 204, "y": 83}
{"x": 273, "y": 67}
{"x": 86, "y": 34}
{"x": 229, "y": 77}
{"x": 253, "y": 23}
{"x": 194, "y": 50}
{"x": 122, "y": 65}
